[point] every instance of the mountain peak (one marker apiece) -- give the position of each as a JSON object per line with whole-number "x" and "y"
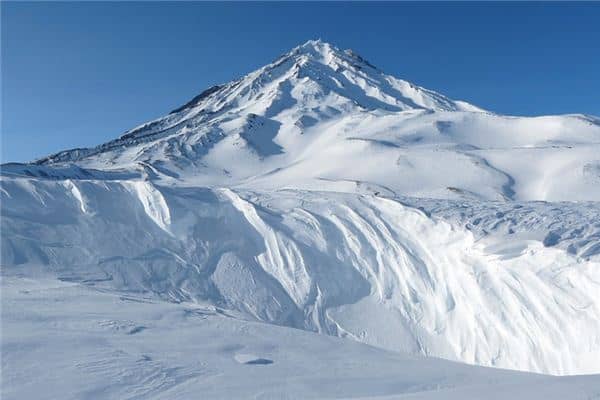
{"x": 326, "y": 53}
{"x": 315, "y": 46}
{"x": 314, "y": 43}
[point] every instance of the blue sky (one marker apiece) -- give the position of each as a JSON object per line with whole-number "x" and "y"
{"x": 79, "y": 74}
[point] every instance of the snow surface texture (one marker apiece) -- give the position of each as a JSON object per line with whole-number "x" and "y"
{"x": 61, "y": 340}
{"x": 365, "y": 267}
{"x": 316, "y": 193}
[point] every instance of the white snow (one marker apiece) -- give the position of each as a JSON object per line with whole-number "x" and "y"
{"x": 61, "y": 340}
{"x": 339, "y": 264}
{"x": 315, "y": 193}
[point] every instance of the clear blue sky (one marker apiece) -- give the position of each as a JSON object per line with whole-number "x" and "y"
{"x": 79, "y": 74}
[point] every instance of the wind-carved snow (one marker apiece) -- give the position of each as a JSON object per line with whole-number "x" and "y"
{"x": 365, "y": 267}
{"x": 320, "y": 193}
{"x": 153, "y": 202}
{"x": 282, "y": 259}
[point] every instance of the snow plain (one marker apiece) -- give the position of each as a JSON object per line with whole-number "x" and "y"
{"x": 316, "y": 203}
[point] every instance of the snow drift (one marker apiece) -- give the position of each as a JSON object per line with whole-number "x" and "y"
{"x": 364, "y": 267}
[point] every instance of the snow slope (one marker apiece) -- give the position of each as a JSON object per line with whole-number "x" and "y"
{"x": 320, "y": 193}
{"x": 64, "y": 341}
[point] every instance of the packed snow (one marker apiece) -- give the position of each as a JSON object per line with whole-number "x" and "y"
{"x": 311, "y": 230}
{"x": 62, "y": 340}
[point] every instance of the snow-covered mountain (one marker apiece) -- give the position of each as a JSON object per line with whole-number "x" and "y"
{"x": 320, "y": 118}
{"x": 320, "y": 193}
